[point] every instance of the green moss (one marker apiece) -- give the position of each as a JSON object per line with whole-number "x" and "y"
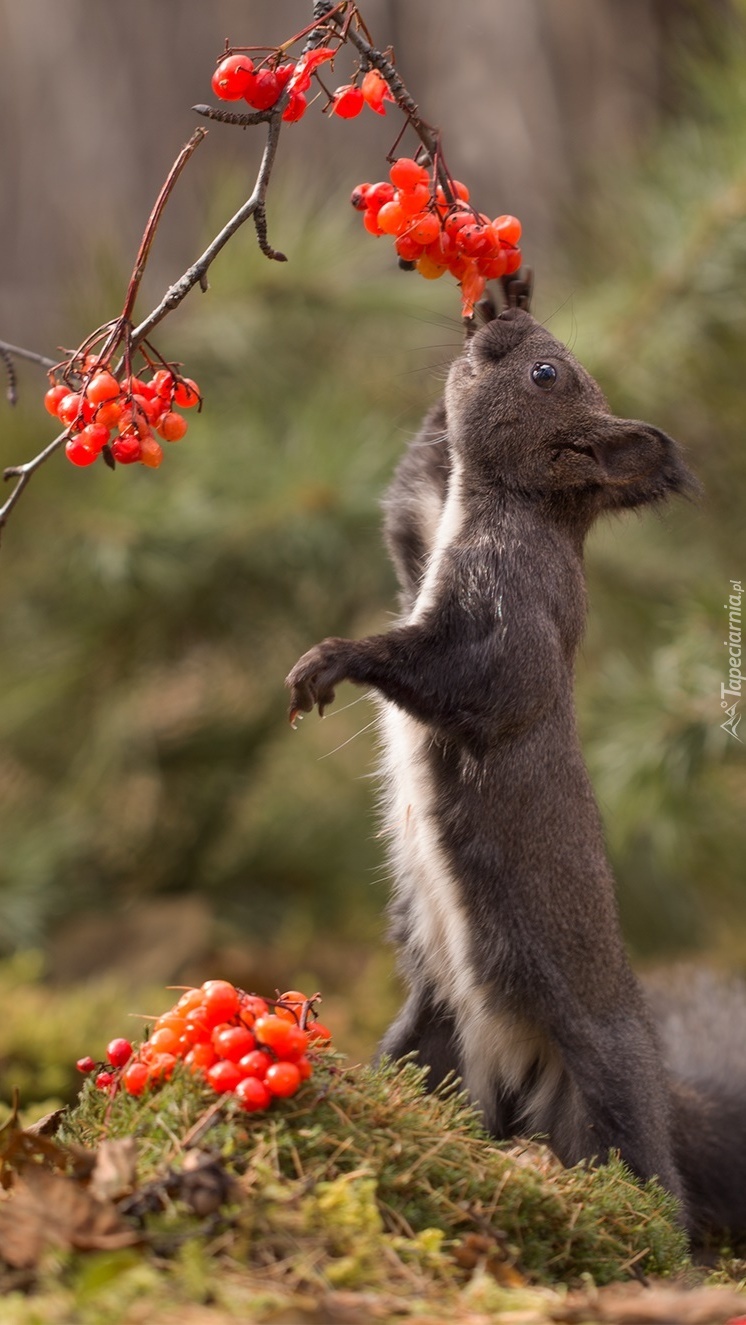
{"x": 363, "y": 1163}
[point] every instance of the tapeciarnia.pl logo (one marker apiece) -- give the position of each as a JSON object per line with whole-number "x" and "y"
{"x": 731, "y": 691}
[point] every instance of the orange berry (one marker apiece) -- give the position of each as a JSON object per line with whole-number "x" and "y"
{"x": 135, "y": 1078}
{"x": 283, "y": 1079}
{"x": 429, "y": 269}
{"x": 104, "y": 386}
{"x": 186, "y": 393}
{"x": 370, "y": 221}
{"x": 54, "y": 396}
{"x": 507, "y": 228}
{"x": 172, "y": 427}
{"x": 391, "y": 218}
{"x": 424, "y": 228}
{"x": 151, "y": 453}
{"x": 414, "y": 200}
{"x": 407, "y": 174}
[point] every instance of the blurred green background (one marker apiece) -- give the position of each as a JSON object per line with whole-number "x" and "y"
{"x": 160, "y": 821}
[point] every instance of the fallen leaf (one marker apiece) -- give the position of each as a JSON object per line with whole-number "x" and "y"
{"x": 114, "y": 1172}
{"x": 46, "y": 1209}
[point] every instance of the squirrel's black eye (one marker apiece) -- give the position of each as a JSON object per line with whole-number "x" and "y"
{"x": 544, "y": 375}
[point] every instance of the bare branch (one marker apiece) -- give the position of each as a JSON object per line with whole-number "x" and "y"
{"x": 17, "y": 352}
{"x": 197, "y": 272}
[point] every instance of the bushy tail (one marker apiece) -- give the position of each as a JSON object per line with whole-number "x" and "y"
{"x": 702, "y": 1022}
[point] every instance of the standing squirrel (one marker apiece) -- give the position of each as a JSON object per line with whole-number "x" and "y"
{"x": 504, "y": 906}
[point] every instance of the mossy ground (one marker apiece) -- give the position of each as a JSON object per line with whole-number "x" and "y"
{"x": 362, "y": 1198}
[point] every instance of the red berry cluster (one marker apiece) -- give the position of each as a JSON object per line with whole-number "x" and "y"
{"x": 435, "y": 235}
{"x": 248, "y": 1047}
{"x": 123, "y": 416}
{"x": 238, "y": 79}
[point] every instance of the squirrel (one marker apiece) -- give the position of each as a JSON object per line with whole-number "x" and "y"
{"x": 504, "y": 904}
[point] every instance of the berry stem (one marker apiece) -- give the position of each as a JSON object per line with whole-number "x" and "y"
{"x": 196, "y": 273}
{"x": 154, "y": 218}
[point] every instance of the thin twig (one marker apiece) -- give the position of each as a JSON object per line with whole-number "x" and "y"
{"x": 146, "y": 242}
{"x": 198, "y": 270}
{"x": 18, "y": 352}
{"x": 24, "y": 474}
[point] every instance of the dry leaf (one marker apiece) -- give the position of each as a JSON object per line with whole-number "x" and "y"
{"x": 114, "y": 1172}
{"x": 46, "y": 1209}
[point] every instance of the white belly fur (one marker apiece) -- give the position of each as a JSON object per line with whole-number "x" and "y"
{"x": 497, "y": 1047}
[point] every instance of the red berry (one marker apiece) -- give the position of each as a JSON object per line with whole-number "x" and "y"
{"x": 370, "y": 221}
{"x": 408, "y": 248}
{"x": 264, "y": 91}
{"x": 200, "y": 1057}
{"x": 456, "y": 220}
{"x": 391, "y": 219}
{"x": 296, "y": 108}
{"x": 85, "y": 1064}
{"x": 347, "y": 102}
{"x": 424, "y": 228}
{"x": 224, "y": 1075}
{"x": 233, "y": 77}
{"x": 304, "y": 1067}
{"x": 378, "y": 194}
{"x": 508, "y": 228}
{"x": 413, "y": 200}
{"x": 104, "y": 1080}
{"x": 476, "y": 241}
{"x": 406, "y": 174}
{"x": 375, "y": 90}
{"x": 118, "y": 1052}
{"x": 357, "y": 198}
{"x": 162, "y": 1065}
{"x": 109, "y": 414}
{"x": 164, "y": 1040}
{"x": 94, "y": 436}
{"x": 104, "y": 386}
{"x": 78, "y": 453}
{"x": 233, "y": 1042}
{"x": 317, "y": 1031}
{"x": 126, "y": 449}
{"x": 255, "y": 1064}
{"x": 252, "y": 1095}
{"x": 252, "y": 1007}
{"x": 172, "y": 427}
{"x": 296, "y": 1044}
{"x": 69, "y": 407}
{"x": 283, "y": 1079}
{"x": 283, "y": 73}
{"x": 221, "y": 1001}
{"x": 186, "y": 393}
{"x": 163, "y": 383}
{"x": 512, "y": 260}
{"x": 274, "y": 1032}
{"x": 136, "y": 1078}
{"x": 54, "y": 395}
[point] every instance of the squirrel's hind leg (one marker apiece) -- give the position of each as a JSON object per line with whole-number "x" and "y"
{"x": 425, "y": 1027}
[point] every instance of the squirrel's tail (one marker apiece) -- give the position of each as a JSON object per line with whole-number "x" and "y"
{"x": 702, "y": 1022}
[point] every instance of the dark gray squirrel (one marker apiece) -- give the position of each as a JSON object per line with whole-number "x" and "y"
{"x": 504, "y": 905}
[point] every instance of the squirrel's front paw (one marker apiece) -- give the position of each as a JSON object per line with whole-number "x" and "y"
{"x": 312, "y": 680}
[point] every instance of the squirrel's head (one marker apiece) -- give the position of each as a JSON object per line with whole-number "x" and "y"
{"x": 523, "y": 414}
